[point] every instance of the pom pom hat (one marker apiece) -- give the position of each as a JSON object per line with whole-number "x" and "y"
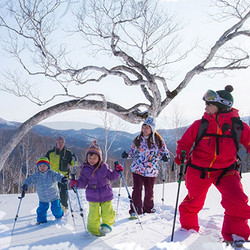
{"x": 220, "y": 98}
{"x": 43, "y": 160}
{"x": 95, "y": 148}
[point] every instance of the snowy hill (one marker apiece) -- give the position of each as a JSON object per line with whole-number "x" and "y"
{"x": 127, "y": 234}
{"x": 65, "y": 125}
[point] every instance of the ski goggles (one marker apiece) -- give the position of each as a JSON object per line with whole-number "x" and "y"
{"x": 212, "y": 96}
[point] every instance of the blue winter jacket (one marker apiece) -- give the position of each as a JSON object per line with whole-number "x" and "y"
{"x": 46, "y": 184}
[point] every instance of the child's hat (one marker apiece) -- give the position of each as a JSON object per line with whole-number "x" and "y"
{"x": 95, "y": 148}
{"x": 43, "y": 160}
{"x": 150, "y": 121}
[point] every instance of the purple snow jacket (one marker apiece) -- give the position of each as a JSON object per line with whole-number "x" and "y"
{"x": 97, "y": 187}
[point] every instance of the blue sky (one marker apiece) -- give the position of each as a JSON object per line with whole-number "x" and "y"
{"x": 192, "y": 14}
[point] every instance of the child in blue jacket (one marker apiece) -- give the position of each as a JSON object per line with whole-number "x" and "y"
{"x": 46, "y": 181}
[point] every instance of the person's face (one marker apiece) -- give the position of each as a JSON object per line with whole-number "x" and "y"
{"x": 60, "y": 144}
{"x": 43, "y": 168}
{"x": 146, "y": 130}
{"x": 211, "y": 109}
{"x": 93, "y": 159}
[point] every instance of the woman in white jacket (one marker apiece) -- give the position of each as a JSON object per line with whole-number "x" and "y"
{"x": 146, "y": 149}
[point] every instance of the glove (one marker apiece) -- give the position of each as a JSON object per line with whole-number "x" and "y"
{"x": 165, "y": 158}
{"x": 24, "y": 187}
{"x": 124, "y": 155}
{"x": 64, "y": 180}
{"x": 74, "y": 183}
{"x": 178, "y": 159}
{"x": 119, "y": 167}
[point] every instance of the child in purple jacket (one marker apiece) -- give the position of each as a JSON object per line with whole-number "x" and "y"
{"x": 94, "y": 177}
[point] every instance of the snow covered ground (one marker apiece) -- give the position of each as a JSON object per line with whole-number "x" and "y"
{"x": 155, "y": 232}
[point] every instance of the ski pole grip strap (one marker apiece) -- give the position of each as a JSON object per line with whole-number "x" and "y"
{"x": 183, "y": 154}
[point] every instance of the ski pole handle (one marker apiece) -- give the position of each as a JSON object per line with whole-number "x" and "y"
{"x": 172, "y": 169}
{"x": 73, "y": 176}
{"x": 183, "y": 154}
{"x": 22, "y": 195}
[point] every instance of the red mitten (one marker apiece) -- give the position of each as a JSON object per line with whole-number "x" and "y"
{"x": 178, "y": 159}
{"x": 119, "y": 167}
{"x": 74, "y": 183}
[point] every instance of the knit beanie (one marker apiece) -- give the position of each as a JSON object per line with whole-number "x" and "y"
{"x": 150, "y": 121}
{"x": 225, "y": 94}
{"x": 43, "y": 160}
{"x": 95, "y": 148}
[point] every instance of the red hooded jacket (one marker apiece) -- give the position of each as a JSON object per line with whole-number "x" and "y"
{"x": 206, "y": 153}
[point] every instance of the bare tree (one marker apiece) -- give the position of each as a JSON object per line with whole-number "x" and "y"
{"x": 141, "y": 37}
{"x": 177, "y": 123}
{"x": 112, "y": 127}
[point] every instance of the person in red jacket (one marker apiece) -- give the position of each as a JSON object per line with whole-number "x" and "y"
{"x": 214, "y": 161}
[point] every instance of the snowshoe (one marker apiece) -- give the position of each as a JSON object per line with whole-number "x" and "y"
{"x": 39, "y": 223}
{"x": 104, "y": 229}
{"x": 133, "y": 216}
{"x": 237, "y": 244}
{"x": 65, "y": 209}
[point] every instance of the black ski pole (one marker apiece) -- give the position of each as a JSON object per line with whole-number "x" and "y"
{"x": 19, "y": 205}
{"x": 129, "y": 196}
{"x": 183, "y": 153}
{"x": 70, "y": 206}
{"x": 79, "y": 203}
{"x": 119, "y": 193}
{"x": 163, "y": 182}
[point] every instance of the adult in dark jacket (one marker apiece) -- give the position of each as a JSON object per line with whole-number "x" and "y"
{"x": 61, "y": 159}
{"x": 214, "y": 161}
{"x": 95, "y": 176}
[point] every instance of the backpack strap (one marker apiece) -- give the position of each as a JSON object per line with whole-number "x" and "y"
{"x": 237, "y": 127}
{"x": 201, "y": 132}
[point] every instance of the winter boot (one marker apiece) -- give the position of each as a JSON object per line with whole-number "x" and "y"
{"x": 104, "y": 229}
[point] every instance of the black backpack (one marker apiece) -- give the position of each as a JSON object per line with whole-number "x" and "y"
{"x": 237, "y": 127}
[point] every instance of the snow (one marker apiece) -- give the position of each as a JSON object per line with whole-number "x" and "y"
{"x": 153, "y": 233}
